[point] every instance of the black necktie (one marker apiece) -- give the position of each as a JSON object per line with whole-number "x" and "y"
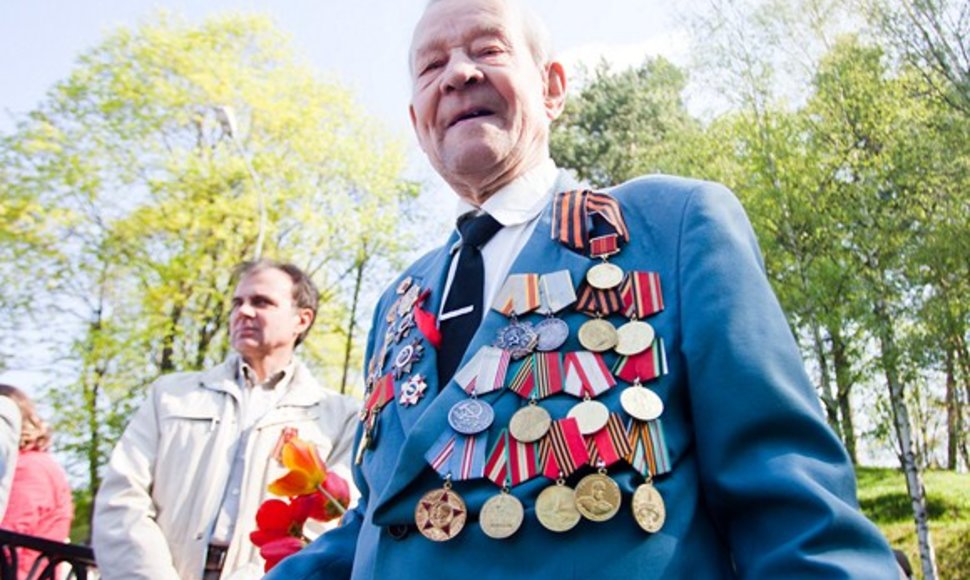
{"x": 467, "y": 288}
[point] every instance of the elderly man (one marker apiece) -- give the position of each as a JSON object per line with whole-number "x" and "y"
{"x": 599, "y": 384}
{"x": 180, "y": 494}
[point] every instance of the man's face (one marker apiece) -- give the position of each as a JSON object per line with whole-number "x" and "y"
{"x": 481, "y": 105}
{"x": 264, "y": 320}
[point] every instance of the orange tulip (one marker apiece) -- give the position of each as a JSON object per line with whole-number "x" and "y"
{"x": 307, "y": 470}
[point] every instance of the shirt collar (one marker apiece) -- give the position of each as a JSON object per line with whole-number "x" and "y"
{"x": 246, "y": 376}
{"x": 521, "y": 200}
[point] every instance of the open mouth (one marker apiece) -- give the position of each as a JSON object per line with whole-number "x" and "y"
{"x": 471, "y": 114}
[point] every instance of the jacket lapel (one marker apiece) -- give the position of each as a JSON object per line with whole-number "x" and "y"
{"x": 541, "y": 254}
{"x": 434, "y": 276}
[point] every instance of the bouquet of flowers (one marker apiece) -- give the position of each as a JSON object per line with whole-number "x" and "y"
{"x": 310, "y": 492}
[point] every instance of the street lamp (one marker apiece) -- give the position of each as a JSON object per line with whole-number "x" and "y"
{"x": 227, "y": 119}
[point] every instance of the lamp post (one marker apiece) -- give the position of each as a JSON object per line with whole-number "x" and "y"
{"x": 227, "y": 119}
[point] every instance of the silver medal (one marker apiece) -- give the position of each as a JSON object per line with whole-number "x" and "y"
{"x": 553, "y": 333}
{"x": 471, "y": 416}
{"x": 519, "y": 338}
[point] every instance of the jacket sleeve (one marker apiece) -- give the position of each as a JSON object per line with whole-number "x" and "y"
{"x": 128, "y": 544}
{"x": 777, "y": 481}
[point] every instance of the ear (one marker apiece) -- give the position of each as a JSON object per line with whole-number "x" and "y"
{"x": 305, "y": 319}
{"x": 414, "y": 126}
{"x": 555, "y": 98}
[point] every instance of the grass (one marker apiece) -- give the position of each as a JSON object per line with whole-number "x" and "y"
{"x": 884, "y": 499}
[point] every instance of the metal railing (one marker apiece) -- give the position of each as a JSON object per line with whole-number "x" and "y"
{"x": 56, "y": 560}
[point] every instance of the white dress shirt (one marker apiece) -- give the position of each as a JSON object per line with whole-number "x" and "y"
{"x": 517, "y": 207}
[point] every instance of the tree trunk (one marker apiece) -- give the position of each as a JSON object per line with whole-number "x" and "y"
{"x": 352, "y": 323}
{"x": 829, "y": 401}
{"x": 953, "y": 427}
{"x": 907, "y": 458}
{"x": 167, "y": 362}
{"x": 843, "y": 386}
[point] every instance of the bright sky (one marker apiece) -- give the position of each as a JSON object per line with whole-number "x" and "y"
{"x": 363, "y": 43}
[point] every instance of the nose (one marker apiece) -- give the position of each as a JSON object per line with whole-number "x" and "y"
{"x": 245, "y": 309}
{"x": 461, "y": 72}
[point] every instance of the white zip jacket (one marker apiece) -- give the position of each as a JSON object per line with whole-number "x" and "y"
{"x": 164, "y": 484}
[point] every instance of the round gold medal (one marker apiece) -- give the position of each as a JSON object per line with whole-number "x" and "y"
{"x": 633, "y": 338}
{"x": 529, "y": 423}
{"x": 591, "y": 416}
{"x": 597, "y": 335}
{"x": 598, "y": 497}
{"x": 641, "y": 403}
{"x": 440, "y": 515}
{"x": 556, "y": 508}
{"x": 604, "y": 276}
{"x": 501, "y": 516}
{"x": 648, "y": 508}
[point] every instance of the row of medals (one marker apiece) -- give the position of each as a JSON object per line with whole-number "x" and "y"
{"x": 441, "y": 514}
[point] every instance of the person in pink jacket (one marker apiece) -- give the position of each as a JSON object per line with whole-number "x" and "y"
{"x": 40, "y": 501}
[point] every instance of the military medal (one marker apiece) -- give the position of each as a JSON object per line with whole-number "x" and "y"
{"x": 530, "y": 423}
{"x": 598, "y": 497}
{"x": 641, "y": 297}
{"x": 597, "y": 335}
{"x": 440, "y": 514}
{"x": 591, "y": 416}
{"x": 552, "y": 333}
{"x": 518, "y": 338}
{"x": 555, "y": 293}
{"x": 511, "y": 462}
{"x": 518, "y": 295}
{"x": 471, "y": 416}
{"x": 412, "y": 391}
{"x": 537, "y": 377}
{"x": 381, "y": 393}
{"x": 501, "y": 516}
{"x": 633, "y": 338}
{"x": 641, "y": 403}
{"x": 604, "y": 276}
{"x": 406, "y": 357}
{"x": 556, "y": 508}
{"x": 648, "y": 508}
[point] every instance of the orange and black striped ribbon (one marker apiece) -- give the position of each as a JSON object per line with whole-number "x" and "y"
{"x": 610, "y": 444}
{"x": 562, "y": 451}
{"x": 599, "y": 302}
{"x": 573, "y": 211}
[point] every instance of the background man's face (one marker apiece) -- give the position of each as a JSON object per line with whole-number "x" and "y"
{"x": 264, "y": 320}
{"x": 478, "y": 103}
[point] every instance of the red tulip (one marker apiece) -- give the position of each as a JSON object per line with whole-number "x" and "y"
{"x": 278, "y": 549}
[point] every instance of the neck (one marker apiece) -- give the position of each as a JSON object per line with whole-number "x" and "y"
{"x": 477, "y": 188}
{"x": 266, "y": 366}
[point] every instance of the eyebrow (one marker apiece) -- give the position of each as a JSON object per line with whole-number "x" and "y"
{"x": 474, "y": 34}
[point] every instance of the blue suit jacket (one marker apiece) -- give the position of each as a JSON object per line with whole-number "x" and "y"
{"x": 759, "y": 488}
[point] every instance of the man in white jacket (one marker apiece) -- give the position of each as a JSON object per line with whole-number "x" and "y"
{"x": 181, "y": 490}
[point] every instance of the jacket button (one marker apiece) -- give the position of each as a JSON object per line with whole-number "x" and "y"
{"x": 398, "y": 531}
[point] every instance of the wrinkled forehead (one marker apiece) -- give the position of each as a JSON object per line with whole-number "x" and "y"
{"x": 447, "y": 22}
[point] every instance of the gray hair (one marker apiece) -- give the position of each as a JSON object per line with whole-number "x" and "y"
{"x": 536, "y": 32}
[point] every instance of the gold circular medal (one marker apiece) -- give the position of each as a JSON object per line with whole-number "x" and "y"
{"x": 529, "y": 423}
{"x": 634, "y": 337}
{"x": 641, "y": 403}
{"x": 598, "y": 497}
{"x": 556, "y": 508}
{"x": 604, "y": 276}
{"x": 440, "y": 515}
{"x": 648, "y": 508}
{"x": 597, "y": 335}
{"x": 501, "y": 516}
{"x": 591, "y": 416}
